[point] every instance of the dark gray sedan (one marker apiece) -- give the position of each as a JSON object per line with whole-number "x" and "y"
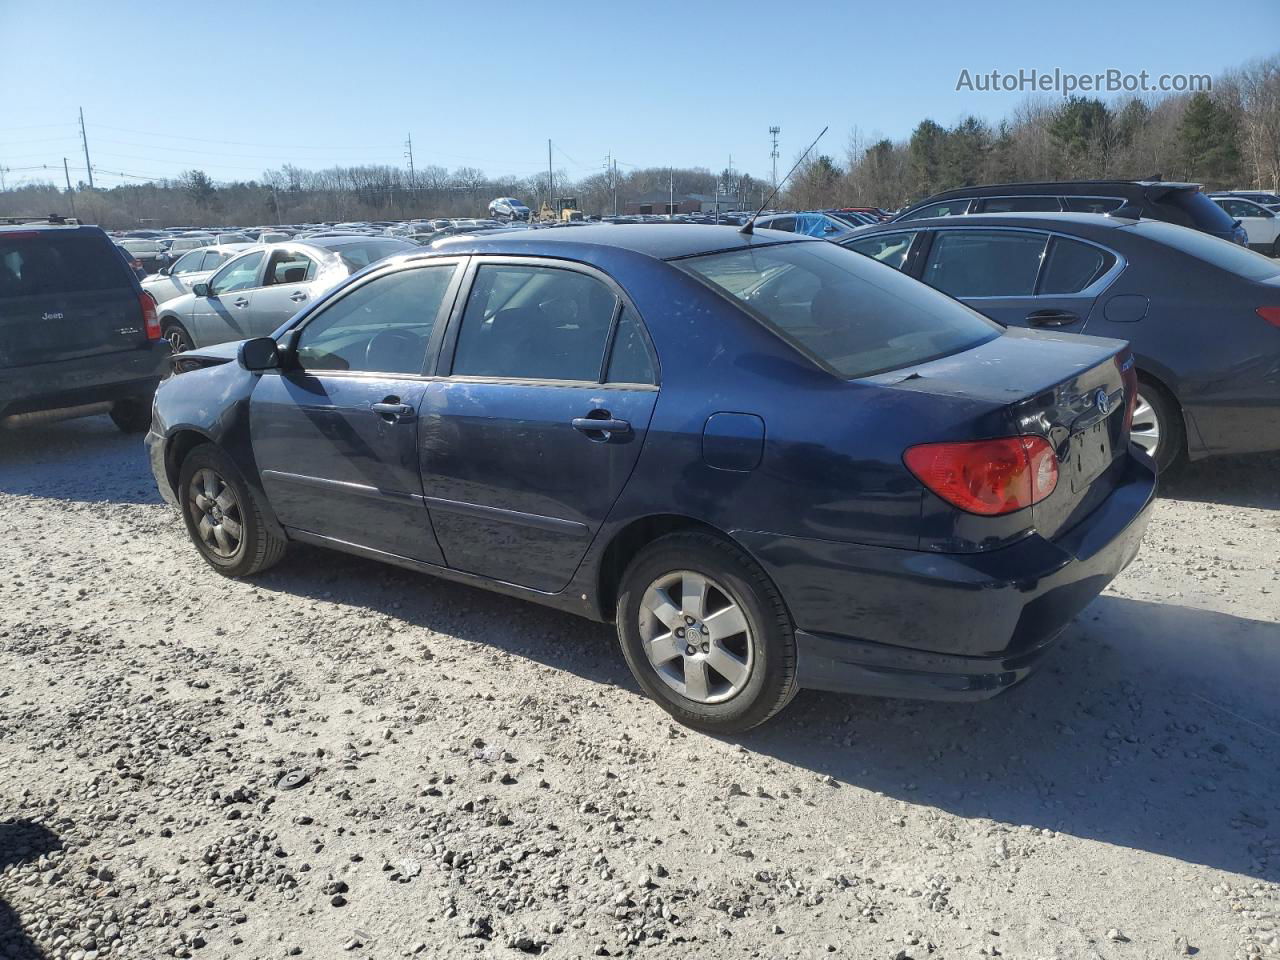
{"x": 1202, "y": 314}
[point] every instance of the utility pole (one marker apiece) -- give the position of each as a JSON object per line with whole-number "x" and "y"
{"x": 408, "y": 145}
{"x": 773, "y": 132}
{"x": 2, "y": 170}
{"x": 550, "y": 184}
{"x": 671, "y": 193}
{"x": 70, "y": 195}
{"x": 88, "y": 167}
{"x": 615, "y": 187}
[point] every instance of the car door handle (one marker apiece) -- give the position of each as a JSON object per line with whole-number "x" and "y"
{"x": 1051, "y": 318}
{"x": 604, "y": 425}
{"x": 242, "y": 302}
{"x": 392, "y": 410}
{"x": 298, "y": 297}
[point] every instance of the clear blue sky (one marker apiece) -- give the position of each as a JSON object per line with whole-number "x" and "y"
{"x": 235, "y": 88}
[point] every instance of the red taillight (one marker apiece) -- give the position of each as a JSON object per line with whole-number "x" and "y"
{"x": 1270, "y": 314}
{"x": 1129, "y": 376}
{"x": 150, "y": 321}
{"x": 988, "y": 477}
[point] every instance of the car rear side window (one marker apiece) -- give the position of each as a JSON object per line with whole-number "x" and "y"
{"x": 1071, "y": 266}
{"x": 629, "y": 360}
{"x": 848, "y": 314}
{"x": 1093, "y": 204}
{"x": 1018, "y": 204}
{"x": 534, "y": 323}
{"x": 1224, "y": 254}
{"x": 44, "y": 263}
{"x": 383, "y": 326}
{"x": 985, "y": 263}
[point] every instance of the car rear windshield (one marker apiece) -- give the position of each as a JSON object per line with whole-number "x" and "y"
{"x": 142, "y": 246}
{"x": 44, "y": 263}
{"x": 361, "y": 254}
{"x": 1203, "y": 213}
{"x": 1241, "y": 261}
{"x": 850, "y": 314}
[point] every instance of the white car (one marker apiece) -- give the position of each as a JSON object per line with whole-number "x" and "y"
{"x": 192, "y": 267}
{"x": 509, "y": 208}
{"x": 1260, "y": 223}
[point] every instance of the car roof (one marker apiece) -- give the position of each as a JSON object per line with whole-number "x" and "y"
{"x": 1042, "y": 221}
{"x": 659, "y": 241}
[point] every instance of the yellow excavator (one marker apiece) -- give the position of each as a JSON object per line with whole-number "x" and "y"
{"x": 565, "y": 210}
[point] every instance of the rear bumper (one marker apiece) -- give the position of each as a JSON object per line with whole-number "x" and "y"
{"x": 85, "y": 380}
{"x": 891, "y": 622}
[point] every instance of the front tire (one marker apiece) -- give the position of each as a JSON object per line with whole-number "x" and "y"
{"x": 706, "y": 634}
{"x": 132, "y": 415}
{"x": 1157, "y": 425}
{"x": 224, "y": 518}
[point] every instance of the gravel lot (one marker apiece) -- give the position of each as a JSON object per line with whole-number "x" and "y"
{"x": 483, "y": 778}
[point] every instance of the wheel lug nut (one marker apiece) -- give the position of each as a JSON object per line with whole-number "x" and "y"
{"x": 689, "y": 621}
{"x": 679, "y": 631}
{"x": 689, "y": 651}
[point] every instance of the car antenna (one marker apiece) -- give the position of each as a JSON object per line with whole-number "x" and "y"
{"x": 747, "y": 228}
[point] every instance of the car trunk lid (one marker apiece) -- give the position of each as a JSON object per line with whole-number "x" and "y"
{"x": 1075, "y": 395}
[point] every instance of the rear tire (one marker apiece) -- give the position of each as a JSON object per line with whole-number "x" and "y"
{"x": 179, "y": 339}
{"x": 720, "y": 657}
{"x": 1157, "y": 424}
{"x": 132, "y": 415}
{"x": 224, "y": 518}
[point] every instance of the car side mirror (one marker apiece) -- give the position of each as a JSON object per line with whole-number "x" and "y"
{"x": 163, "y": 271}
{"x": 201, "y": 290}
{"x": 260, "y": 353}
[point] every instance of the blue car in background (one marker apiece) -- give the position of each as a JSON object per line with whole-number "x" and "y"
{"x": 774, "y": 463}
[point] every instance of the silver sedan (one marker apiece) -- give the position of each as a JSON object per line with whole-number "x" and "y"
{"x": 254, "y": 293}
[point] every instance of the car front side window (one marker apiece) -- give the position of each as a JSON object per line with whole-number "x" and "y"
{"x": 888, "y": 248}
{"x": 189, "y": 263}
{"x": 383, "y": 326}
{"x": 239, "y": 274}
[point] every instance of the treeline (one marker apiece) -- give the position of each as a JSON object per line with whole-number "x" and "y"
{"x": 1224, "y": 139}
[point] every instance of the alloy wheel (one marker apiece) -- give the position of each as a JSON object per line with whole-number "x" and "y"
{"x": 1145, "y": 431}
{"x": 177, "y": 340}
{"x": 696, "y": 636}
{"x": 215, "y": 511}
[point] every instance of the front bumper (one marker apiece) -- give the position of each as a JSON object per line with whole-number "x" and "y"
{"x": 889, "y": 622}
{"x": 155, "y": 444}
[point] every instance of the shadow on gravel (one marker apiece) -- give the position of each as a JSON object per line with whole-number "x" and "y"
{"x": 21, "y": 842}
{"x": 1153, "y": 726}
{"x": 87, "y": 460}
{"x": 1233, "y": 481}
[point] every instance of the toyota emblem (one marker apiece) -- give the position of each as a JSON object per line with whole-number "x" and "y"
{"x": 1103, "y": 400}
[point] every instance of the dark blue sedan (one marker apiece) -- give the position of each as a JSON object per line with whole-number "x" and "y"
{"x": 774, "y": 462}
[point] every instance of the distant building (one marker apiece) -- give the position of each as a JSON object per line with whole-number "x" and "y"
{"x": 661, "y": 202}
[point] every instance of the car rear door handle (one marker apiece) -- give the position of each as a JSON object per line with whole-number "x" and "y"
{"x": 392, "y": 409}
{"x": 601, "y": 425}
{"x": 298, "y": 297}
{"x": 242, "y": 302}
{"x": 1051, "y": 318}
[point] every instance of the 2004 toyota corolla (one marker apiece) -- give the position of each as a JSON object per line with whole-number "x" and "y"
{"x": 775, "y": 463}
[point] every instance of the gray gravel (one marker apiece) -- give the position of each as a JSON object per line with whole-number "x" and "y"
{"x": 470, "y": 775}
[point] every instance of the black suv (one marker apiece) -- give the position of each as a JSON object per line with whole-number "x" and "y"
{"x": 1155, "y": 199}
{"x": 78, "y": 336}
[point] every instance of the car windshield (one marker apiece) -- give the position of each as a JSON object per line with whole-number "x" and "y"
{"x": 850, "y": 314}
{"x": 1241, "y": 261}
{"x": 363, "y": 253}
{"x": 141, "y": 246}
